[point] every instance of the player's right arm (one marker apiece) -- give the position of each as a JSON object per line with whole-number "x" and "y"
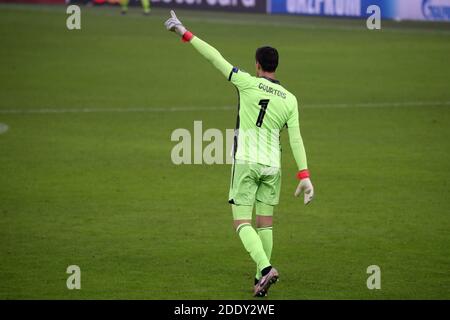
{"x": 298, "y": 150}
{"x": 237, "y": 77}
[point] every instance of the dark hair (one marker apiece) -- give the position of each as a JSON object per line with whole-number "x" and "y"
{"x": 267, "y": 57}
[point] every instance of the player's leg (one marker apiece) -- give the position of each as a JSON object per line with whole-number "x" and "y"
{"x": 243, "y": 188}
{"x": 146, "y": 6}
{"x": 264, "y": 222}
{"x": 249, "y": 237}
{"x": 124, "y": 5}
{"x": 267, "y": 196}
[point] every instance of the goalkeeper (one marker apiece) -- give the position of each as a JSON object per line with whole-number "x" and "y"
{"x": 265, "y": 108}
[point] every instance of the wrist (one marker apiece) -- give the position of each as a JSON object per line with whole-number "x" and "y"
{"x": 303, "y": 174}
{"x": 187, "y": 36}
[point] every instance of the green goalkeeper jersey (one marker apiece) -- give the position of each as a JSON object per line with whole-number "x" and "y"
{"x": 265, "y": 108}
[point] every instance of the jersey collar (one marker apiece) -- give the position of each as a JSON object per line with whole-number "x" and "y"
{"x": 272, "y": 80}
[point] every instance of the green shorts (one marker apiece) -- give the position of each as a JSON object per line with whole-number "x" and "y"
{"x": 254, "y": 183}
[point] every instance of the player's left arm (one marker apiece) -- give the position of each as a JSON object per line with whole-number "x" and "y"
{"x": 239, "y": 78}
{"x": 298, "y": 150}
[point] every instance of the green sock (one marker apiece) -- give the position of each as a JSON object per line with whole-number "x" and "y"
{"x": 266, "y": 236}
{"x": 253, "y": 245}
{"x": 146, "y": 5}
{"x": 124, "y": 4}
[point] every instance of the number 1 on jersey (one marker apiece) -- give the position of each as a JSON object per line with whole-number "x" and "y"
{"x": 263, "y": 103}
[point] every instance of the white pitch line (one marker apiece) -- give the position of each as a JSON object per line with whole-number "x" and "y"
{"x": 187, "y": 109}
{"x": 380, "y": 104}
{"x": 110, "y": 110}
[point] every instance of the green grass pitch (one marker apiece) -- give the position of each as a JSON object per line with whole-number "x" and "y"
{"x": 98, "y": 189}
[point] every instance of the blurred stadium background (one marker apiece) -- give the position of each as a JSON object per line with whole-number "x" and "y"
{"x": 86, "y": 176}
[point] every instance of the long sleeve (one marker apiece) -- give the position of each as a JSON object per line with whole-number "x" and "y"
{"x": 298, "y": 149}
{"x": 212, "y": 55}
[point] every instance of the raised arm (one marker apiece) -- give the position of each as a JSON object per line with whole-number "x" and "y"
{"x": 212, "y": 55}
{"x": 206, "y": 50}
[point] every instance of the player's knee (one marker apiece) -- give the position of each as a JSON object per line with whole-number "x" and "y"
{"x": 264, "y": 214}
{"x": 263, "y": 221}
{"x": 238, "y": 223}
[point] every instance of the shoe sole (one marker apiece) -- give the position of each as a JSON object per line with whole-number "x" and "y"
{"x": 261, "y": 295}
{"x": 266, "y": 287}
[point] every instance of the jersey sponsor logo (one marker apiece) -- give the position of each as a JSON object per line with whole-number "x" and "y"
{"x": 272, "y": 90}
{"x": 436, "y": 9}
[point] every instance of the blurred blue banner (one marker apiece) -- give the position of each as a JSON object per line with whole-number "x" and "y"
{"x": 435, "y": 10}
{"x": 333, "y": 8}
